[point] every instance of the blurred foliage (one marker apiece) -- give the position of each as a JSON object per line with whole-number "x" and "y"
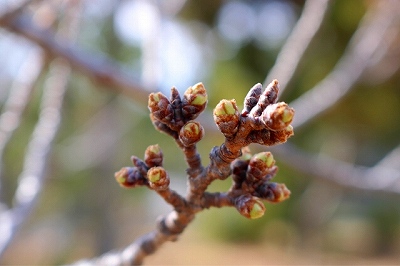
{"x": 96, "y": 215}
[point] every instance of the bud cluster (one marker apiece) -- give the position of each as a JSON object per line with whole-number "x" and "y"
{"x": 252, "y": 176}
{"x": 175, "y": 116}
{"x": 145, "y": 173}
{"x": 263, "y": 120}
{"x": 269, "y": 121}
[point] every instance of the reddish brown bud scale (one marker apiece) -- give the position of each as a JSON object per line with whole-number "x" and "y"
{"x": 191, "y": 133}
{"x": 251, "y": 98}
{"x": 158, "y": 178}
{"x": 176, "y": 106}
{"x": 273, "y": 192}
{"x": 194, "y": 101}
{"x": 268, "y": 97}
{"x": 129, "y": 177}
{"x": 277, "y": 116}
{"x": 160, "y": 107}
{"x": 261, "y": 165}
{"x": 227, "y": 117}
{"x": 153, "y": 156}
{"x": 249, "y": 206}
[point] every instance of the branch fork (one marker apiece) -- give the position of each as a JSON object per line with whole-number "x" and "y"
{"x": 262, "y": 121}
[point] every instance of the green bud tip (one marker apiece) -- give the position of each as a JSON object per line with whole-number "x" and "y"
{"x": 257, "y": 211}
{"x": 199, "y": 99}
{"x": 154, "y": 149}
{"x": 225, "y": 107}
{"x": 287, "y": 115}
{"x": 154, "y": 176}
{"x": 267, "y": 157}
{"x": 192, "y": 127}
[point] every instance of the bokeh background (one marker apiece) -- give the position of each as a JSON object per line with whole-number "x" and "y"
{"x": 74, "y": 75}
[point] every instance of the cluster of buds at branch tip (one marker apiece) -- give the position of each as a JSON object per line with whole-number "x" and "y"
{"x": 249, "y": 206}
{"x": 158, "y": 178}
{"x": 227, "y": 117}
{"x": 191, "y": 133}
{"x": 170, "y": 115}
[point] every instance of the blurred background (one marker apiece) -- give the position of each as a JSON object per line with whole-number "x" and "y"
{"x": 74, "y": 80}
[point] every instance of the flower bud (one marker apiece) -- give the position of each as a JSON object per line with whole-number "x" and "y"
{"x": 281, "y": 136}
{"x": 251, "y": 98}
{"x": 249, "y": 206}
{"x": 160, "y": 107}
{"x": 262, "y": 166}
{"x": 277, "y": 116}
{"x": 273, "y": 192}
{"x": 153, "y": 156}
{"x": 129, "y": 177}
{"x": 267, "y": 98}
{"x": 194, "y": 101}
{"x": 227, "y": 117}
{"x": 158, "y": 178}
{"x": 191, "y": 133}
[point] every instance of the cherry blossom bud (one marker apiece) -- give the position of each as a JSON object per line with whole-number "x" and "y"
{"x": 194, "y": 101}
{"x": 158, "y": 178}
{"x": 160, "y": 107}
{"x": 268, "y": 97}
{"x": 277, "y": 116}
{"x": 273, "y": 192}
{"x": 191, "y": 133}
{"x": 251, "y": 98}
{"x": 153, "y": 156}
{"x": 227, "y": 117}
{"x": 262, "y": 166}
{"x": 249, "y": 206}
{"x": 129, "y": 177}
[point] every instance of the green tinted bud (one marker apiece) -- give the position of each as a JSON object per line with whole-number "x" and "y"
{"x": 191, "y": 133}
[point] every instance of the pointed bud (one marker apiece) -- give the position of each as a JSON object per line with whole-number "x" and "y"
{"x": 191, "y": 133}
{"x": 176, "y": 106}
{"x": 251, "y": 98}
{"x": 142, "y": 167}
{"x": 249, "y": 206}
{"x": 261, "y": 166}
{"x": 160, "y": 107}
{"x": 267, "y": 98}
{"x": 273, "y": 192}
{"x": 277, "y": 116}
{"x": 227, "y": 117}
{"x": 153, "y": 156}
{"x": 158, "y": 178}
{"x": 129, "y": 177}
{"x": 194, "y": 101}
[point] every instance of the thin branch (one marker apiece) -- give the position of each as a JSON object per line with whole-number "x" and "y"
{"x": 297, "y": 43}
{"x": 30, "y": 182}
{"x": 381, "y": 177}
{"x": 99, "y": 67}
{"x": 364, "y": 43}
{"x": 18, "y": 97}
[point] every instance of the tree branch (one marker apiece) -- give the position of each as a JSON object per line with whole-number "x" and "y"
{"x": 297, "y": 43}
{"x": 364, "y": 43}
